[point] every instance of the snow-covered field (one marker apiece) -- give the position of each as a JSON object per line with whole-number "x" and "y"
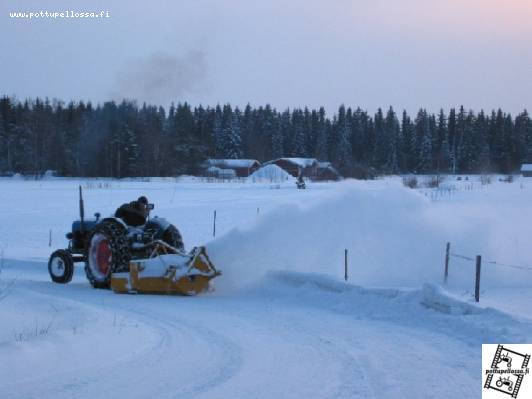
{"x": 281, "y": 321}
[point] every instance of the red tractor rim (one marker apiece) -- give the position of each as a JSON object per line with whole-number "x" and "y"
{"x": 103, "y": 257}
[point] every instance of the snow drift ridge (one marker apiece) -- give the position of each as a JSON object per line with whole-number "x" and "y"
{"x": 430, "y": 307}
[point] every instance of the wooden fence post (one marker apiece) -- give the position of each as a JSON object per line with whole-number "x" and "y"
{"x": 447, "y": 253}
{"x": 214, "y": 225}
{"x": 345, "y": 265}
{"x": 477, "y": 278}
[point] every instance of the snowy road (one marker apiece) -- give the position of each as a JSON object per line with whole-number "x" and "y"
{"x": 291, "y": 336}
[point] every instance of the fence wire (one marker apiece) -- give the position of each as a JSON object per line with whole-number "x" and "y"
{"x": 520, "y": 267}
{"x": 492, "y": 262}
{"x": 462, "y": 257}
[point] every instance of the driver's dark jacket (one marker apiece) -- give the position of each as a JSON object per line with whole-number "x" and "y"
{"x": 132, "y": 214}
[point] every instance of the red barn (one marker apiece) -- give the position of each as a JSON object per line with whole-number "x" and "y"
{"x": 326, "y": 172}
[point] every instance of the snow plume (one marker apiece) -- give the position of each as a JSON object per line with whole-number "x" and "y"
{"x": 394, "y": 236}
{"x": 162, "y": 78}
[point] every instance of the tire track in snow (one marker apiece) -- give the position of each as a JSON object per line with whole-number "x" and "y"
{"x": 282, "y": 353}
{"x": 162, "y": 362}
{"x": 57, "y": 382}
{"x": 212, "y": 375}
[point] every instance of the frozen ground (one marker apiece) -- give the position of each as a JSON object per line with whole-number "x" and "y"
{"x": 281, "y": 322}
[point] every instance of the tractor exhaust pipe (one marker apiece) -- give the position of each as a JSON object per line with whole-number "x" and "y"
{"x": 81, "y": 211}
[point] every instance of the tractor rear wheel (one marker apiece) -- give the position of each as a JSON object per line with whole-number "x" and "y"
{"x": 172, "y": 237}
{"x": 61, "y": 266}
{"x": 108, "y": 253}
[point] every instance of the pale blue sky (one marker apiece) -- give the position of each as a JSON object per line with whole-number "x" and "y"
{"x": 407, "y": 53}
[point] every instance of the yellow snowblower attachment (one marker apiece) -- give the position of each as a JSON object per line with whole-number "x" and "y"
{"x": 167, "y": 272}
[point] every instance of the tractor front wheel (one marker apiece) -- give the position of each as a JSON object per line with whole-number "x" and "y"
{"x": 61, "y": 266}
{"x": 108, "y": 253}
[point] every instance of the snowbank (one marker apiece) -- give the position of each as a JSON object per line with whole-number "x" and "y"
{"x": 429, "y": 308}
{"x": 434, "y": 297}
{"x": 271, "y": 174}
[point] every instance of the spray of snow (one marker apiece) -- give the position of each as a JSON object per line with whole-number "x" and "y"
{"x": 394, "y": 237}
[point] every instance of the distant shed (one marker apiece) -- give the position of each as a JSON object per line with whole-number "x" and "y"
{"x": 240, "y": 167}
{"x": 526, "y": 169}
{"x": 326, "y": 172}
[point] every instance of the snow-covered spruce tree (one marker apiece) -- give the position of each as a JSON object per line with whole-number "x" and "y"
{"x": 391, "y": 126}
{"x": 86, "y": 147}
{"x": 186, "y": 149}
{"x": 312, "y": 136}
{"x": 231, "y": 137}
{"x": 124, "y": 140}
{"x": 149, "y": 132}
{"x": 469, "y": 148}
{"x": 362, "y": 139}
{"x": 227, "y": 113}
{"x": 408, "y": 144}
{"x": 500, "y": 151}
{"x": 322, "y": 142}
{"x": 342, "y": 151}
{"x": 4, "y": 147}
{"x": 386, "y": 141}
{"x": 511, "y": 164}
{"x": 277, "y": 138}
{"x": 298, "y": 140}
{"x": 217, "y": 133}
{"x": 380, "y": 155}
{"x": 425, "y": 153}
{"x": 442, "y": 150}
{"x": 451, "y": 135}
{"x": 479, "y": 143}
{"x": 424, "y": 138}
{"x": 226, "y": 133}
{"x": 445, "y": 156}
{"x": 70, "y": 140}
{"x": 461, "y": 128}
{"x": 273, "y": 143}
{"x": 201, "y": 131}
{"x": 131, "y": 153}
{"x": 308, "y": 132}
{"x": 37, "y": 123}
{"x": 523, "y": 137}
{"x": 528, "y": 137}
{"x": 285, "y": 130}
{"x": 247, "y": 132}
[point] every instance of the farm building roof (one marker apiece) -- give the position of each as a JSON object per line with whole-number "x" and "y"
{"x": 231, "y": 163}
{"x": 301, "y": 162}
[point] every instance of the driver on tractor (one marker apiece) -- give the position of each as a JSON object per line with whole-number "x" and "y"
{"x": 135, "y": 213}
